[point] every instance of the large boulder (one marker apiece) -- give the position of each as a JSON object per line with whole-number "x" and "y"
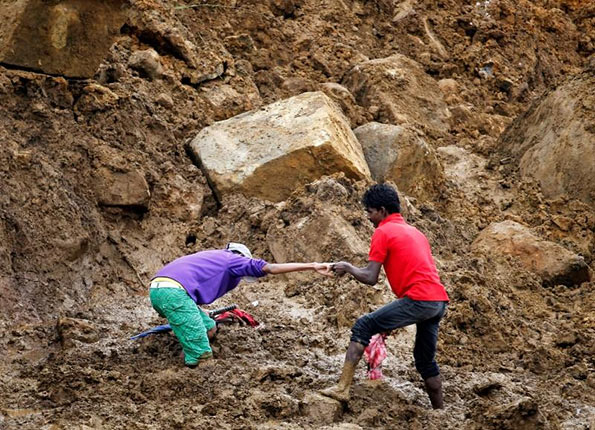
{"x": 398, "y": 91}
{"x": 401, "y": 155}
{"x": 269, "y": 152}
{"x": 550, "y": 261}
{"x": 555, "y": 140}
{"x": 69, "y": 37}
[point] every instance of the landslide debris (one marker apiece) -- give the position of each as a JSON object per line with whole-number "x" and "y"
{"x": 99, "y": 189}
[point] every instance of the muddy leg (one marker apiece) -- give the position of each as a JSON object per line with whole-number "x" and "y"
{"x": 434, "y": 390}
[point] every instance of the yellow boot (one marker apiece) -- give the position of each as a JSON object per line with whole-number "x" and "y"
{"x": 340, "y": 391}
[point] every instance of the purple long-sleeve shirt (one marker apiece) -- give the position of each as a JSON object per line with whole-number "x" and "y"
{"x": 208, "y": 275}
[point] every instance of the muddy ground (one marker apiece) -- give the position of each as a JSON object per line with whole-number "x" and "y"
{"x": 514, "y": 354}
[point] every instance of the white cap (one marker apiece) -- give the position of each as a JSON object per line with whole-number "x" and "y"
{"x": 242, "y": 249}
{"x": 239, "y": 247}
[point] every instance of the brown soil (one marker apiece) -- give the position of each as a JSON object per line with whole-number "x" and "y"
{"x": 514, "y": 354}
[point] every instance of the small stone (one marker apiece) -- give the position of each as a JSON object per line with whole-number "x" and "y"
{"x": 448, "y": 86}
{"x": 562, "y": 222}
{"x": 164, "y": 100}
{"x": 96, "y": 97}
{"x": 504, "y": 84}
{"x": 147, "y": 63}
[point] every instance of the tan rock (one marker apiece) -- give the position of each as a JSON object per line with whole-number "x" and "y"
{"x": 297, "y": 85}
{"x": 122, "y": 189}
{"x": 67, "y": 38}
{"x": 400, "y": 91}
{"x": 550, "y": 261}
{"x": 555, "y": 140}
{"x": 461, "y": 113}
{"x": 269, "y": 152}
{"x": 335, "y": 59}
{"x": 562, "y": 222}
{"x": 401, "y": 155}
{"x": 165, "y": 100}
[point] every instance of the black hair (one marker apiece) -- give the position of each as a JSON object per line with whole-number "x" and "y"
{"x": 382, "y": 195}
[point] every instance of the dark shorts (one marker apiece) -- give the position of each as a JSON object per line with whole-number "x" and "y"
{"x": 400, "y": 313}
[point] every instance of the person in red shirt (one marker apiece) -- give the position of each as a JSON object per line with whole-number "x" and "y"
{"x": 407, "y": 259}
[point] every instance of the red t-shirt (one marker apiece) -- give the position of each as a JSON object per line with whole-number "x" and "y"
{"x": 405, "y": 253}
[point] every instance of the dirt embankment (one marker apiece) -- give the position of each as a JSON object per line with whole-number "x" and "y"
{"x": 514, "y": 353}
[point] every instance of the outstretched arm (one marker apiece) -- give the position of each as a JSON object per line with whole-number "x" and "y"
{"x": 278, "y": 268}
{"x": 367, "y": 275}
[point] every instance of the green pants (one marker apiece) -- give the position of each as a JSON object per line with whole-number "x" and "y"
{"x": 188, "y": 322}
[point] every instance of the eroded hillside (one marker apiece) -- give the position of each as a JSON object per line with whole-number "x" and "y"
{"x": 100, "y": 187}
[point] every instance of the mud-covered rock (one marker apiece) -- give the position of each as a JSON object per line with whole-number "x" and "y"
{"x": 226, "y": 101}
{"x": 194, "y": 60}
{"x": 401, "y": 155}
{"x": 554, "y": 140}
{"x": 122, "y": 189}
{"x": 325, "y": 229}
{"x": 67, "y": 38}
{"x": 333, "y": 60}
{"x": 518, "y": 414}
{"x": 76, "y": 329}
{"x": 275, "y": 404}
{"x": 553, "y": 263}
{"x": 500, "y": 322}
{"x": 279, "y": 147}
{"x": 95, "y": 98}
{"x": 399, "y": 91}
{"x": 178, "y": 199}
{"x": 320, "y": 409}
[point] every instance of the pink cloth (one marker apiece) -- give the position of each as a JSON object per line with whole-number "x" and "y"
{"x": 374, "y": 354}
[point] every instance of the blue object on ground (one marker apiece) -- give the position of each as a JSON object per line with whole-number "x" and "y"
{"x": 159, "y": 329}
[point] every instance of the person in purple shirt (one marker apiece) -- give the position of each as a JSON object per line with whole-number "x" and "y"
{"x": 200, "y": 279}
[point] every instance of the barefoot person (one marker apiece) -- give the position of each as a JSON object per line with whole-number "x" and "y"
{"x": 201, "y": 278}
{"x": 405, "y": 254}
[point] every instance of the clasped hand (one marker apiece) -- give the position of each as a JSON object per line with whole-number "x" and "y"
{"x": 332, "y": 269}
{"x": 324, "y": 268}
